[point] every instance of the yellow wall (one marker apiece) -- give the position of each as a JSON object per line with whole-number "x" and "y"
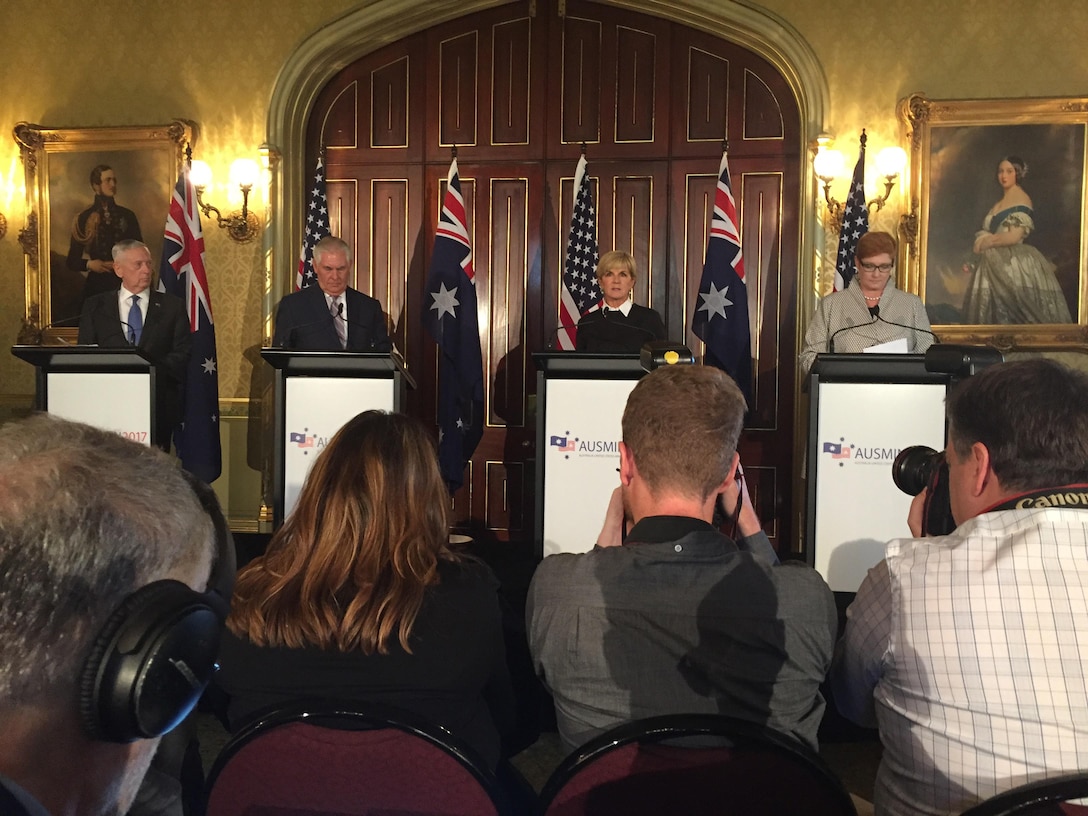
{"x": 124, "y": 62}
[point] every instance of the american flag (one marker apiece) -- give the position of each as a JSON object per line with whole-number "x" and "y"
{"x": 578, "y": 291}
{"x": 855, "y": 223}
{"x": 317, "y": 227}
{"x": 182, "y": 273}
{"x": 721, "y": 318}
{"x": 449, "y": 313}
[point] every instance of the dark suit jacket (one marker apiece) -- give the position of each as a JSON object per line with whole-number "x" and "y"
{"x": 616, "y": 334}
{"x": 165, "y": 341}
{"x": 303, "y": 322}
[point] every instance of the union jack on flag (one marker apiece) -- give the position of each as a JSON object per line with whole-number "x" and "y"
{"x": 450, "y": 315}
{"x": 579, "y": 291}
{"x": 721, "y": 318}
{"x": 182, "y": 273}
{"x": 317, "y": 226}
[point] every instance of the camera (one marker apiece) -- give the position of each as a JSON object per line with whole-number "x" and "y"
{"x": 917, "y": 468}
{"x": 914, "y": 468}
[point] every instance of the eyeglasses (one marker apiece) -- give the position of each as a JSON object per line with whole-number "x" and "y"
{"x": 882, "y": 268}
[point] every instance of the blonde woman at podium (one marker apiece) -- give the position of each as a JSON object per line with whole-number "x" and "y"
{"x": 619, "y": 326}
{"x": 870, "y": 311}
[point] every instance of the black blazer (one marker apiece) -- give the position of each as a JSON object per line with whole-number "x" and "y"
{"x": 303, "y": 322}
{"x": 616, "y": 334}
{"x": 165, "y": 341}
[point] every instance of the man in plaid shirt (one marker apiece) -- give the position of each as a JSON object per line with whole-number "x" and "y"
{"x": 969, "y": 651}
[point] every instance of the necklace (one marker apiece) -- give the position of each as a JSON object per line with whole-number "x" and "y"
{"x": 871, "y": 299}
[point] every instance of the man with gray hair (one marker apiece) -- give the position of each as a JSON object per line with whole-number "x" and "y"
{"x": 331, "y": 316}
{"x": 676, "y": 617}
{"x": 154, "y": 322}
{"x": 87, "y": 521}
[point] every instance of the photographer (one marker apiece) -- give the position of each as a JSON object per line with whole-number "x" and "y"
{"x": 966, "y": 649}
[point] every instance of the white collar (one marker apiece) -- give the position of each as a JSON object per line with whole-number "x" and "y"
{"x": 625, "y": 308}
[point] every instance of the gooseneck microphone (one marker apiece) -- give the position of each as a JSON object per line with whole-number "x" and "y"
{"x": 837, "y": 332}
{"x": 876, "y": 314}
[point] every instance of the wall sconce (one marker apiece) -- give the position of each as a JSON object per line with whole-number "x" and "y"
{"x": 241, "y": 226}
{"x": 831, "y": 164}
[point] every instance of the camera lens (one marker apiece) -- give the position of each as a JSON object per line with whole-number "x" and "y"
{"x": 914, "y": 467}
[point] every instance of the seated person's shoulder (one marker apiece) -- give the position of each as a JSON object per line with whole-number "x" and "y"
{"x": 469, "y": 572}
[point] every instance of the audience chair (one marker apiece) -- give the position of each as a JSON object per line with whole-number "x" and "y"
{"x": 695, "y": 764}
{"x": 1047, "y": 797}
{"x": 320, "y": 759}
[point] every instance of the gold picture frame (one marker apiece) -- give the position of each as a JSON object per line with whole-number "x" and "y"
{"x": 59, "y": 164}
{"x": 1031, "y": 293}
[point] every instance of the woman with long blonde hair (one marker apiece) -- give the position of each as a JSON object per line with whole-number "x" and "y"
{"x": 359, "y": 596}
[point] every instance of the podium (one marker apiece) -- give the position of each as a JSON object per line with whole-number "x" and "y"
{"x": 580, "y": 402}
{"x": 863, "y": 409}
{"x": 110, "y": 388}
{"x": 316, "y": 393}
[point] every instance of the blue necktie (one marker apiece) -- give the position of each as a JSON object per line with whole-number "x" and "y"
{"x": 135, "y": 321}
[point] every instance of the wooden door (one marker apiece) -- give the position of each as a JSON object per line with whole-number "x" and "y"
{"x": 517, "y": 93}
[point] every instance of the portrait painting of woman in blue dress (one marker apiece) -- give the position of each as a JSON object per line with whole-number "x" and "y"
{"x": 1011, "y": 281}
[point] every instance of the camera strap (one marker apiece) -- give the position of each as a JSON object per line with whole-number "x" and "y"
{"x": 1073, "y": 497}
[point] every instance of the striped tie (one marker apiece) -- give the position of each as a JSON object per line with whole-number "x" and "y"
{"x": 339, "y": 322}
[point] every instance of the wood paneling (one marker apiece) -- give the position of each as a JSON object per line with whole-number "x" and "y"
{"x": 636, "y": 64}
{"x": 389, "y": 104}
{"x": 458, "y": 96}
{"x": 517, "y": 94}
{"x": 580, "y": 94}
{"x": 510, "y": 91}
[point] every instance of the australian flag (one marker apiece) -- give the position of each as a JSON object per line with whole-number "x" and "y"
{"x": 317, "y": 227}
{"x": 578, "y": 291}
{"x": 182, "y": 273}
{"x": 855, "y": 223}
{"x": 721, "y": 318}
{"x": 449, "y": 313}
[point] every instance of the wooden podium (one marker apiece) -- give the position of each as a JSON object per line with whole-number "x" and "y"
{"x": 316, "y": 393}
{"x": 580, "y": 402}
{"x": 863, "y": 409}
{"x": 113, "y": 389}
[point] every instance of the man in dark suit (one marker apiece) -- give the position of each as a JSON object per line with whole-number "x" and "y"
{"x": 331, "y": 316}
{"x": 154, "y": 322}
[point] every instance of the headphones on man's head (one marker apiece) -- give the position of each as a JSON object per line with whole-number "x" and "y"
{"x": 156, "y": 653}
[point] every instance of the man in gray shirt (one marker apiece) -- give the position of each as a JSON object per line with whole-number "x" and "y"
{"x": 676, "y": 617}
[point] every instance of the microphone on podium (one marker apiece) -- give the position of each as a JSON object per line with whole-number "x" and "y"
{"x": 834, "y": 334}
{"x": 876, "y": 314}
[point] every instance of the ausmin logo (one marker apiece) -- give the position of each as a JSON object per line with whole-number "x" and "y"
{"x": 564, "y": 443}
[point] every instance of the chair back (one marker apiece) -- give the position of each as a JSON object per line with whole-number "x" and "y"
{"x": 694, "y": 764}
{"x": 1047, "y": 797}
{"x": 322, "y": 759}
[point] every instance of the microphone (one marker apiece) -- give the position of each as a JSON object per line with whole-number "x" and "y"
{"x": 303, "y": 329}
{"x": 553, "y": 336}
{"x": 36, "y": 337}
{"x": 372, "y": 344}
{"x": 876, "y": 314}
{"x": 834, "y": 334}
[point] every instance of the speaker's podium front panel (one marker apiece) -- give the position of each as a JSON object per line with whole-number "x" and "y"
{"x": 581, "y": 399}
{"x": 112, "y": 389}
{"x": 317, "y": 393}
{"x": 864, "y": 409}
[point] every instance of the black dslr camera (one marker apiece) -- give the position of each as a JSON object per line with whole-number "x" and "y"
{"x": 917, "y": 468}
